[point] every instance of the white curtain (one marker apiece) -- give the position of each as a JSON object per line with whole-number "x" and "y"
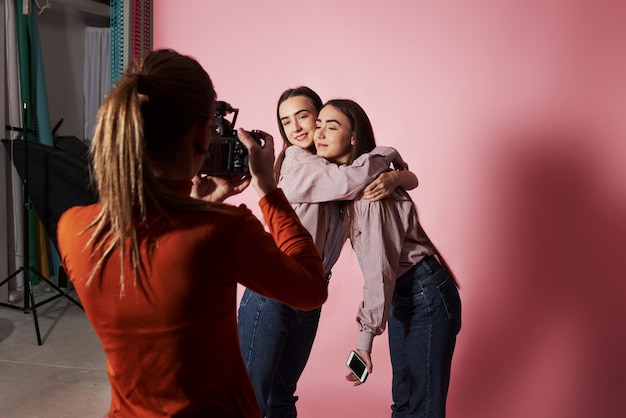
{"x": 11, "y": 212}
{"x": 97, "y": 74}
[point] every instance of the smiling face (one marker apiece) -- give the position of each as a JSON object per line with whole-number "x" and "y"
{"x": 297, "y": 118}
{"x": 334, "y": 137}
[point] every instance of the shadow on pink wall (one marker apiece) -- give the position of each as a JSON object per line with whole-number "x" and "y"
{"x": 547, "y": 338}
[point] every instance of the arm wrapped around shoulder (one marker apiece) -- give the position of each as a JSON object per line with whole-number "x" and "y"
{"x": 308, "y": 178}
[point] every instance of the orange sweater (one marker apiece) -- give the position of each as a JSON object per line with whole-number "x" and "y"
{"x": 175, "y": 351}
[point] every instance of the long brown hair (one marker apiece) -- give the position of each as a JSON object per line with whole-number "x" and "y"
{"x": 154, "y": 105}
{"x": 317, "y": 103}
{"x": 361, "y": 128}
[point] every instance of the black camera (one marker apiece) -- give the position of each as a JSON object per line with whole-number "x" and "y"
{"x": 227, "y": 156}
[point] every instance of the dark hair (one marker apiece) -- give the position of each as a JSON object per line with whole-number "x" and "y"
{"x": 142, "y": 122}
{"x": 365, "y": 142}
{"x": 315, "y": 99}
{"x": 174, "y": 93}
{"x": 360, "y": 126}
{"x": 317, "y": 103}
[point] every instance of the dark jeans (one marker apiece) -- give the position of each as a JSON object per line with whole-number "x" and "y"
{"x": 424, "y": 320}
{"x": 276, "y": 341}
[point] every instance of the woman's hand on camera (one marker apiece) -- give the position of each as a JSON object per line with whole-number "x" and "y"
{"x": 217, "y": 189}
{"x": 260, "y": 161}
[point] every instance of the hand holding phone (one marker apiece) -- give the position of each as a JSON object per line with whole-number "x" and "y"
{"x": 358, "y": 367}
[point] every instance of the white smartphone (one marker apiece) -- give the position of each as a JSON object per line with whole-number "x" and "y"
{"x": 357, "y": 366}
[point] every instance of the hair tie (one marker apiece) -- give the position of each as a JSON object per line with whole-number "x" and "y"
{"x": 141, "y": 82}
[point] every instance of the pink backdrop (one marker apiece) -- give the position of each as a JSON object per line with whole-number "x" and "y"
{"x": 513, "y": 116}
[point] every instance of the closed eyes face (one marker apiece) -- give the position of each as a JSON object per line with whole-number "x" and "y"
{"x": 333, "y": 136}
{"x": 297, "y": 117}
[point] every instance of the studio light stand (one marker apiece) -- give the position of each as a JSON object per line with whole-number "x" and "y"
{"x": 29, "y": 295}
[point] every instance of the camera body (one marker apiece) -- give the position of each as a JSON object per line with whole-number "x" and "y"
{"x": 227, "y": 155}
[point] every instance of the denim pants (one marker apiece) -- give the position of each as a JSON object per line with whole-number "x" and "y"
{"x": 424, "y": 319}
{"x": 276, "y": 341}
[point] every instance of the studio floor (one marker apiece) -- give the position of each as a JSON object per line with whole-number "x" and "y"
{"x": 63, "y": 377}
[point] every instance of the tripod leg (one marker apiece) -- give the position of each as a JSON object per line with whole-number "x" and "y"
{"x": 6, "y": 281}
{"x": 31, "y": 295}
{"x": 60, "y": 291}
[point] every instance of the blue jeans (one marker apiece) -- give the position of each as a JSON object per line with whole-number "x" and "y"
{"x": 276, "y": 341}
{"x": 424, "y": 319}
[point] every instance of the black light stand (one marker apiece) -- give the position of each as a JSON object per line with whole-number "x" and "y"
{"x": 27, "y": 269}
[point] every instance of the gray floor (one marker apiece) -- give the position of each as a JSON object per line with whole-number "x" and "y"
{"x": 63, "y": 377}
